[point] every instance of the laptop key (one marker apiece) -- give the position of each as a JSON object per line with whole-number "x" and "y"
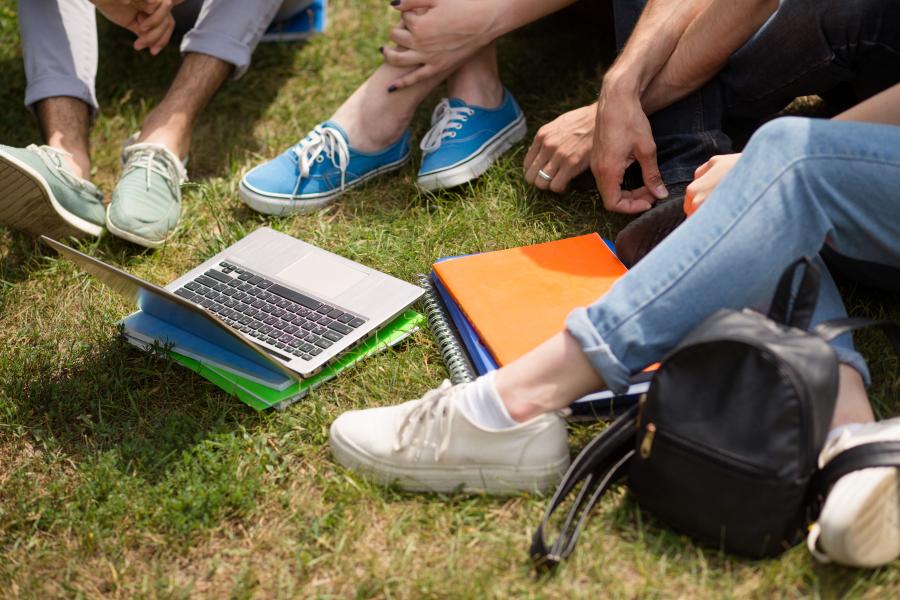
{"x": 280, "y": 290}
{"x": 254, "y": 280}
{"x": 333, "y": 336}
{"x": 192, "y": 285}
{"x": 234, "y": 283}
{"x": 323, "y": 343}
{"x": 184, "y": 293}
{"x": 340, "y": 327}
{"x": 345, "y": 318}
{"x": 204, "y": 280}
{"x": 306, "y": 357}
{"x": 334, "y": 314}
{"x": 356, "y": 323}
{"x": 297, "y": 353}
{"x": 265, "y": 284}
{"x": 315, "y": 351}
{"x": 324, "y": 309}
{"x": 218, "y": 276}
{"x": 244, "y": 275}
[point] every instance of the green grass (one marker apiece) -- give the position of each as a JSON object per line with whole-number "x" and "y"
{"x": 122, "y": 475}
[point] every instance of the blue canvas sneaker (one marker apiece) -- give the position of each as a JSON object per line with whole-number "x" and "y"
{"x": 465, "y": 140}
{"x": 317, "y": 170}
{"x": 308, "y": 21}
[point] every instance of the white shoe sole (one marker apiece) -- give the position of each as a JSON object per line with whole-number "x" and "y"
{"x": 29, "y": 205}
{"x": 491, "y": 479}
{"x": 866, "y": 531}
{"x": 135, "y": 239}
{"x": 475, "y": 166}
{"x": 283, "y": 204}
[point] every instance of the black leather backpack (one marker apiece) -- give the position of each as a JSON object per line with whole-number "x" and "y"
{"x": 724, "y": 446}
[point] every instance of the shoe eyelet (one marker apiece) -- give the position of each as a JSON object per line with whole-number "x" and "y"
{"x": 452, "y": 134}
{"x": 320, "y": 158}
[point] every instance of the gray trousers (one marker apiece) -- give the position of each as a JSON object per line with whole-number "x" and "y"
{"x": 59, "y": 39}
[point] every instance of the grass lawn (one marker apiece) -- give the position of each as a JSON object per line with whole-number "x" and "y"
{"x": 123, "y": 475}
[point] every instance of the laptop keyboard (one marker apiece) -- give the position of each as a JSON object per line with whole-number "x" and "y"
{"x": 270, "y": 313}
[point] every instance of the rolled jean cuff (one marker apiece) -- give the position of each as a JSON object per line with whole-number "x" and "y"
{"x": 59, "y": 85}
{"x": 854, "y": 359}
{"x": 615, "y": 375}
{"x": 227, "y": 49}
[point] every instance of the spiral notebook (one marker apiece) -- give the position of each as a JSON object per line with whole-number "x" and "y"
{"x": 466, "y": 356}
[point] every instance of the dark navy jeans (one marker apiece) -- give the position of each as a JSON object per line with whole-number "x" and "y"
{"x": 807, "y": 47}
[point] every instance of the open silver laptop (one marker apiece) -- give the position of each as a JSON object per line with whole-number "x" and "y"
{"x": 288, "y": 303}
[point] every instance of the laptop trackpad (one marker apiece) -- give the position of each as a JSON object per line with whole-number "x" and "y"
{"x": 322, "y": 275}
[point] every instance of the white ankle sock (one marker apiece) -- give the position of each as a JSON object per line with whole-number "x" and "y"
{"x": 837, "y": 431}
{"x": 482, "y": 404}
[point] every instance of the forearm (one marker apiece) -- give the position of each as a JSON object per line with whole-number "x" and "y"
{"x": 705, "y": 47}
{"x": 881, "y": 108}
{"x": 650, "y": 45}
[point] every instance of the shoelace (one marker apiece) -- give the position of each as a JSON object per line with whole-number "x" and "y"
{"x": 429, "y": 424}
{"x": 53, "y": 157}
{"x": 325, "y": 140}
{"x": 153, "y": 158}
{"x": 445, "y": 120}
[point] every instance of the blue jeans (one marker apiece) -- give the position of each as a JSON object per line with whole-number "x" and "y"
{"x": 807, "y": 47}
{"x": 802, "y": 184}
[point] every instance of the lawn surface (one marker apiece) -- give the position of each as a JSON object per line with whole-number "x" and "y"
{"x": 122, "y": 475}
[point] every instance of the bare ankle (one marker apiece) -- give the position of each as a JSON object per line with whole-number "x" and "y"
{"x": 173, "y": 135}
{"x": 369, "y": 137}
{"x": 484, "y": 93}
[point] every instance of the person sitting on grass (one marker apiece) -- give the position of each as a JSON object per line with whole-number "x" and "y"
{"x": 800, "y": 185}
{"x": 368, "y": 135}
{"x": 684, "y": 67}
{"x": 59, "y": 45}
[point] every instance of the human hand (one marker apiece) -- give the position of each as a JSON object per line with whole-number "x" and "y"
{"x": 436, "y": 36}
{"x": 561, "y": 149}
{"x": 706, "y": 179}
{"x": 622, "y": 135}
{"x": 150, "y": 20}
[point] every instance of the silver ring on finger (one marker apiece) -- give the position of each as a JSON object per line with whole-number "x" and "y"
{"x": 544, "y": 176}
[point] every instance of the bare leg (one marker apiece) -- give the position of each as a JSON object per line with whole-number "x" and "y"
{"x": 66, "y": 125}
{"x": 852, "y": 401}
{"x": 171, "y": 123}
{"x": 548, "y": 378}
{"x": 375, "y": 118}
{"x": 557, "y": 373}
{"x": 478, "y": 81}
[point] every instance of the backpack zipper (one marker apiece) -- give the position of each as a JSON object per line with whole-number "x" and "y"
{"x": 698, "y": 449}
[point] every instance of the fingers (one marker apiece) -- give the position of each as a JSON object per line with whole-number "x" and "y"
{"x": 634, "y": 201}
{"x": 540, "y": 163}
{"x": 402, "y": 37}
{"x": 704, "y": 168}
{"x": 414, "y": 77}
{"x": 645, "y": 153}
{"x": 405, "y": 5}
{"x": 402, "y": 57}
{"x": 157, "y": 38}
{"x": 155, "y": 20}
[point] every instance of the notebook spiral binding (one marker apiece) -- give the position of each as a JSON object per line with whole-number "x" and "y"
{"x": 452, "y": 351}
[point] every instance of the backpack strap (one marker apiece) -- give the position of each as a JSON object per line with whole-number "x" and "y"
{"x": 804, "y": 303}
{"x": 829, "y": 330}
{"x": 602, "y": 462}
{"x": 865, "y": 456}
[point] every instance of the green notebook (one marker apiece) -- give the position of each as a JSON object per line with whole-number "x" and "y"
{"x": 261, "y": 397}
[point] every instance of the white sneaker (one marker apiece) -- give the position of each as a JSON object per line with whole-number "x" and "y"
{"x": 429, "y": 445}
{"x": 860, "y": 522}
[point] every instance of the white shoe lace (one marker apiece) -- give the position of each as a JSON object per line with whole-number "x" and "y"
{"x": 429, "y": 424}
{"x": 155, "y": 158}
{"x": 322, "y": 140}
{"x": 445, "y": 120}
{"x": 54, "y": 158}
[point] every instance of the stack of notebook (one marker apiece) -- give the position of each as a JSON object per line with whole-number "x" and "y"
{"x": 260, "y": 392}
{"x": 488, "y": 309}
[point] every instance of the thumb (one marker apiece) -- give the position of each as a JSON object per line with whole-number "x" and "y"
{"x": 646, "y": 156}
{"x": 405, "y": 5}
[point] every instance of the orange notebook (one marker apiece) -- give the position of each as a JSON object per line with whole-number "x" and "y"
{"x": 518, "y": 298}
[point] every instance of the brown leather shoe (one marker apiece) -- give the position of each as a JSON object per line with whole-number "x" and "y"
{"x": 644, "y": 233}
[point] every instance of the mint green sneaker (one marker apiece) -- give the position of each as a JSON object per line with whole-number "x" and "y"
{"x": 39, "y": 195}
{"x": 146, "y": 203}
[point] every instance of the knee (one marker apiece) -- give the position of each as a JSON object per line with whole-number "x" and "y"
{"x": 786, "y": 137}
